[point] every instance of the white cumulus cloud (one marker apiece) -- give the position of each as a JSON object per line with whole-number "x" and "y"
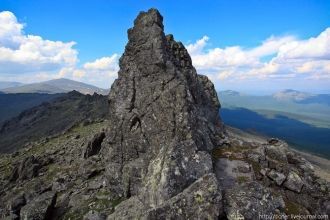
{"x": 96, "y": 72}
{"x": 276, "y": 57}
{"x": 104, "y": 64}
{"x": 30, "y": 58}
{"x": 20, "y": 53}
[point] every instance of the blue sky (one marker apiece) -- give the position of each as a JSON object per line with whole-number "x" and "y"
{"x": 231, "y": 29}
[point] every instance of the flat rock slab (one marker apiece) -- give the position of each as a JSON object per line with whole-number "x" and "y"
{"x": 250, "y": 200}
{"x": 201, "y": 200}
{"x": 230, "y": 172}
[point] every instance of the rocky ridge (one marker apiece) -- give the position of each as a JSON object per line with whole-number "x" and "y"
{"x": 51, "y": 118}
{"x": 162, "y": 154}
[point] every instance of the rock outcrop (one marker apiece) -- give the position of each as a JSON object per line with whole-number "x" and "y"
{"x": 280, "y": 181}
{"x": 163, "y": 153}
{"x": 39, "y": 208}
{"x": 163, "y": 120}
{"x": 50, "y": 119}
{"x": 27, "y": 169}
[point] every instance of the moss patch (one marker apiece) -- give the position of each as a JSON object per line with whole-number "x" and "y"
{"x": 242, "y": 179}
{"x": 226, "y": 152}
{"x": 255, "y": 165}
{"x": 199, "y": 198}
{"x": 292, "y": 208}
{"x": 100, "y": 205}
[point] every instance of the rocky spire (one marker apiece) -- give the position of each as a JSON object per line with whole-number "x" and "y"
{"x": 163, "y": 117}
{"x": 158, "y": 94}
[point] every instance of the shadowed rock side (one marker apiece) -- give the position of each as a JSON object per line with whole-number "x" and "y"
{"x": 163, "y": 123}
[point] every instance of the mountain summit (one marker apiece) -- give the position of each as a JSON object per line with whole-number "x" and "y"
{"x": 163, "y": 122}
{"x": 290, "y": 94}
{"x": 53, "y": 86}
{"x": 164, "y": 153}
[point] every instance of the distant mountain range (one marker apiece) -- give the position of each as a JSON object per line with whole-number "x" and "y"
{"x": 313, "y": 109}
{"x": 51, "y": 87}
{"x": 300, "y": 118}
{"x": 302, "y": 97}
{"x": 291, "y": 95}
{"x": 287, "y": 95}
{"x": 16, "y": 97}
{"x": 51, "y": 118}
{"x": 5, "y": 85}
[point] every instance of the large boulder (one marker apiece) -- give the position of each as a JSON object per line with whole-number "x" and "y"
{"x": 277, "y": 177}
{"x": 27, "y": 169}
{"x": 276, "y": 152}
{"x": 40, "y": 208}
{"x": 294, "y": 182}
{"x": 252, "y": 200}
{"x": 201, "y": 200}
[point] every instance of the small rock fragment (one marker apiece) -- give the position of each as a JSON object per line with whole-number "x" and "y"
{"x": 294, "y": 182}
{"x": 276, "y": 176}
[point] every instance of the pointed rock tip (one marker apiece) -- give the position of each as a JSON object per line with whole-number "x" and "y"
{"x": 152, "y": 16}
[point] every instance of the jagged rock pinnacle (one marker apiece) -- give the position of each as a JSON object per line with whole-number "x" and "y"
{"x": 163, "y": 118}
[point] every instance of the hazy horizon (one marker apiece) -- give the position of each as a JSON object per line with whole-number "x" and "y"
{"x": 257, "y": 92}
{"x": 251, "y": 47}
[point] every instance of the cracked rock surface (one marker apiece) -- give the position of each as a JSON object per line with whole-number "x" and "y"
{"x": 163, "y": 121}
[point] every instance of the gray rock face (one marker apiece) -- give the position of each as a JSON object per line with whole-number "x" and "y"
{"x": 93, "y": 215}
{"x": 201, "y": 200}
{"x": 40, "y": 208}
{"x": 228, "y": 171}
{"x": 283, "y": 181}
{"x": 163, "y": 117}
{"x": 277, "y": 152}
{"x": 251, "y": 200}
{"x": 294, "y": 182}
{"x": 277, "y": 177}
{"x": 16, "y": 204}
{"x": 27, "y": 169}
